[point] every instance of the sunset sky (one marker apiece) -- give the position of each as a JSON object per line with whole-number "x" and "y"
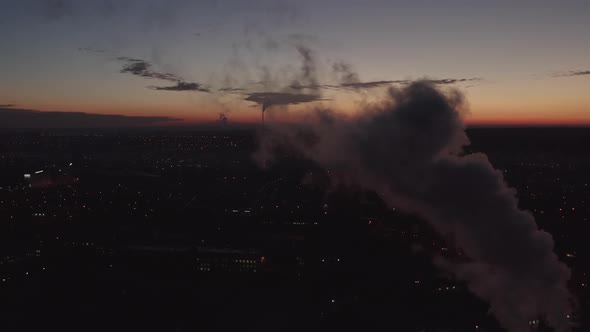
{"x": 517, "y": 62}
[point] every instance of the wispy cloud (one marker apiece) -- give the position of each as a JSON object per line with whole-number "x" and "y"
{"x": 377, "y": 84}
{"x": 454, "y": 80}
{"x": 183, "y": 86}
{"x": 230, "y": 89}
{"x": 572, "y": 73}
{"x": 142, "y": 68}
{"x": 349, "y": 86}
{"x": 371, "y": 84}
{"x": 6, "y": 105}
{"x": 297, "y": 86}
{"x": 348, "y": 78}
{"x": 268, "y": 99}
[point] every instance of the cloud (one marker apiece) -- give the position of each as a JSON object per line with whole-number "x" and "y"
{"x": 349, "y": 86}
{"x": 348, "y": 78}
{"x": 230, "y": 89}
{"x": 268, "y": 99}
{"x": 377, "y": 84}
{"x": 297, "y": 86}
{"x": 11, "y": 118}
{"x": 572, "y": 73}
{"x": 7, "y": 105}
{"x": 144, "y": 69}
{"x": 453, "y": 80}
{"x": 183, "y": 86}
{"x": 372, "y": 84}
{"x": 409, "y": 149}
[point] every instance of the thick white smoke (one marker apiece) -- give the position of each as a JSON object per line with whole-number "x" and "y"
{"x": 409, "y": 149}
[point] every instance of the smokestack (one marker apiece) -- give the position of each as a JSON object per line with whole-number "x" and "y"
{"x": 264, "y": 106}
{"x": 409, "y": 150}
{"x": 223, "y": 119}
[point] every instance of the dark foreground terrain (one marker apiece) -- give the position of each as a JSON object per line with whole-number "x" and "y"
{"x": 181, "y": 231}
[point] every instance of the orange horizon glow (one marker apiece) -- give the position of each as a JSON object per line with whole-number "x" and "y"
{"x": 183, "y": 114}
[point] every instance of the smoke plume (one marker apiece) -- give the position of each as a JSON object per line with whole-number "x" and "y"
{"x": 409, "y": 149}
{"x": 308, "y": 74}
{"x": 305, "y": 79}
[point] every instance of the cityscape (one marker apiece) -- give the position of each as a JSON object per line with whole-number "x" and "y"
{"x": 101, "y": 229}
{"x": 294, "y": 165}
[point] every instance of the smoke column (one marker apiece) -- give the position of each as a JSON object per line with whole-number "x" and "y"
{"x": 409, "y": 149}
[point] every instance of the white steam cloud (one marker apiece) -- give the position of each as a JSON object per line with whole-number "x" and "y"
{"x": 409, "y": 149}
